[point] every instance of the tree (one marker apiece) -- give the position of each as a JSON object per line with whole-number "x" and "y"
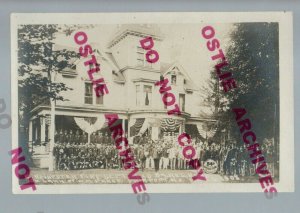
{"x": 253, "y": 57}
{"x": 38, "y": 60}
{"x": 219, "y": 106}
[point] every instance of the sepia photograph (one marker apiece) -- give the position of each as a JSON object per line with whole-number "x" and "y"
{"x": 200, "y": 105}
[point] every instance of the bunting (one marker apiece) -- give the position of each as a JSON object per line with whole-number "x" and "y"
{"x": 170, "y": 124}
{"x": 89, "y": 126}
{"x": 136, "y": 127}
{"x": 205, "y": 132}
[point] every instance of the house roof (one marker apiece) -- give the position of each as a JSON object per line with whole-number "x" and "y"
{"x": 168, "y": 67}
{"x": 141, "y": 30}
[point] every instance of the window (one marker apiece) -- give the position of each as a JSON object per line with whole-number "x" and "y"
{"x": 147, "y": 95}
{"x": 173, "y": 79}
{"x": 143, "y": 94}
{"x": 138, "y": 95}
{"x": 88, "y": 95}
{"x": 141, "y": 58}
{"x": 182, "y": 102}
{"x": 99, "y": 100}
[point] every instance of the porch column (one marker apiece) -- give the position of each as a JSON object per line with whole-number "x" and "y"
{"x": 43, "y": 134}
{"x": 30, "y": 132}
{"x": 123, "y": 125}
{"x": 129, "y": 137}
{"x": 30, "y": 147}
{"x": 181, "y": 127}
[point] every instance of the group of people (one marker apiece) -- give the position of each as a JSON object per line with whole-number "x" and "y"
{"x": 72, "y": 151}
{"x": 77, "y": 138}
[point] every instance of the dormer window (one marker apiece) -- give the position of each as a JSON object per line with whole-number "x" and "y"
{"x": 173, "y": 79}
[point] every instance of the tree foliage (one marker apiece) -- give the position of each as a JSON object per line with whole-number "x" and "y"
{"x": 253, "y": 57}
{"x": 38, "y": 59}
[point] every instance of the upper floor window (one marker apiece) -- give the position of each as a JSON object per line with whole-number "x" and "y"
{"x": 90, "y": 96}
{"x": 141, "y": 58}
{"x": 138, "y": 95}
{"x": 143, "y": 95}
{"x": 173, "y": 79}
{"x": 182, "y": 102}
{"x": 147, "y": 95}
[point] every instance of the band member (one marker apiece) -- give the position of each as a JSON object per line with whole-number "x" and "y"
{"x": 137, "y": 139}
{"x": 56, "y": 137}
{"x": 56, "y": 155}
{"x": 105, "y": 141}
{"x": 166, "y": 158}
{"x": 172, "y": 157}
{"x": 156, "y": 158}
{"x": 142, "y": 157}
{"x": 268, "y": 150}
{"x": 145, "y": 139}
{"x": 71, "y": 137}
{"x": 150, "y": 160}
{"x": 222, "y": 159}
{"x": 66, "y": 137}
{"x": 61, "y": 137}
{"x": 180, "y": 158}
{"x": 226, "y": 163}
{"x": 108, "y": 156}
{"x": 99, "y": 138}
{"x": 77, "y": 138}
{"x": 232, "y": 161}
{"x": 63, "y": 165}
{"x": 93, "y": 138}
{"x": 83, "y": 138}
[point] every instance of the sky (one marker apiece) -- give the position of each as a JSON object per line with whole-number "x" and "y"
{"x": 182, "y": 42}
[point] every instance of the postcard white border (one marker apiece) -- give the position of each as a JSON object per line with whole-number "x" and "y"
{"x": 286, "y": 183}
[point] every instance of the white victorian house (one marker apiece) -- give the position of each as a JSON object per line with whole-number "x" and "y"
{"x": 132, "y": 94}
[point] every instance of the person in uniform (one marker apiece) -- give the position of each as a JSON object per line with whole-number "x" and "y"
{"x": 56, "y": 137}
{"x": 162, "y": 158}
{"x": 172, "y": 159}
{"x": 156, "y": 157}
{"x": 231, "y": 160}
{"x": 56, "y": 154}
{"x": 142, "y": 156}
{"x": 71, "y": 137}
{"x": 166, "y": 156}
{"x": 150, "y": 157}
{"x": 67, "y": 137}
{"x": 226, "y": 164}
{"x": 81, "y": 138}
{"x": 60, "y": 137}
{"x": 110, "y": 140}
{"x": 105, "y": 138}
{"x": 180, "y": 158}
{"x": 136, "y": 139}
{"x": 108, "y": 157}
{"x": 76, "y": 138}
{"x": 99, "y": 138}
{"x": 93, "y": 138}
{"x": 84, "y": 137}
{"x": 270, "y": 156}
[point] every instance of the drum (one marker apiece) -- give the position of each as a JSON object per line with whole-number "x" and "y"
{"x": 210, "y": 166}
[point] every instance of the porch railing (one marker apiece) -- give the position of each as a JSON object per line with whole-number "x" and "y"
{"x": 37, "y": 147}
